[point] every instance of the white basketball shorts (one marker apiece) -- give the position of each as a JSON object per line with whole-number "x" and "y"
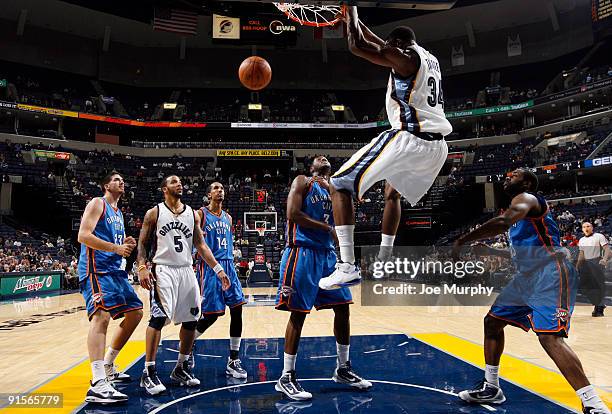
{"x": 407, "y": 162}
{"x": 176, "y": 294}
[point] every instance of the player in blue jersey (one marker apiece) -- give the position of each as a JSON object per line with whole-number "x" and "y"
{"x": 105, "y": 287}
{"x": 540, "y": 297}
{"x": 309, "y": 256}
{"x": 217, "y": 229}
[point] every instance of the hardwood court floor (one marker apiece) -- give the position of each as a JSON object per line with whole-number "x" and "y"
{"x": 40, "y": 338}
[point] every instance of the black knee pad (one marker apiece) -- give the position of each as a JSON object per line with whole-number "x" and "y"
{"x": 190, "y": 326}
{"x": 157, "y": 323}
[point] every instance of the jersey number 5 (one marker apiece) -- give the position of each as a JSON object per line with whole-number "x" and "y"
{"x": 178, "y": 244}
{"x": 435, "y": 95}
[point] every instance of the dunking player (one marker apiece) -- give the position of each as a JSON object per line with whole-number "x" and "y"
{"x": 308, "y": 257}
{"x": 175, "y": 294}
{"x": 105, "y": 287}
{"x": 408, "y": 156}
{"x": 217, "y": 229}
{"x": 540, "y": 297}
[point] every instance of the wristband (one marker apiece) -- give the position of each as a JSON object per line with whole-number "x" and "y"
{"x": 218, "y": 268}
{"x": 142, "y": 266}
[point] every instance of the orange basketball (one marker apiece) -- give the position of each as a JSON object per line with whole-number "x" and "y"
{"x": 255, "y": 73}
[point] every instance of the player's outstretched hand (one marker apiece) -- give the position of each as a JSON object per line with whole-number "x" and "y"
{"x": 125, "y": 249}
{"x": 225, "y": 282}
{"x": 146, "y": 278}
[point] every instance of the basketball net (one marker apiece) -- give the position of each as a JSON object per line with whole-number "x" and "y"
{"x": 312, "y": 15}
{"x": 261, "y": 231}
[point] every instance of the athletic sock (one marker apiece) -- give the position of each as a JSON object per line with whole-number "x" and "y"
{"x": 343, "y": 353}
{"x": 386, "y": 247}
{"x": 492, "y": 374}
{"x": 110, "y": 356}
{"x": 181, "y": 358}
{"x": 234, "y": 347}
{"x": 347, "y": 245}
{"x": 97, "y": 371}
{"x": 589, "y": 398}
{"x": 288, "y": 362}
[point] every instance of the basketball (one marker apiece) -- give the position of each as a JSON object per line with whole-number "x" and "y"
{"x": 255, "y": 73}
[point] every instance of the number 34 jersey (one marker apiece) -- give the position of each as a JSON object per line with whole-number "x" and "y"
{"x": 416, "y": 103}
{"x": 218, "y": 234}
{"x": 174, "y": 236}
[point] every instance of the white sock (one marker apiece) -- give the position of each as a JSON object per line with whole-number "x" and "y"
{"x": 343, "y": 353}
{"x": 492, "y": 374}
{"x": 347, "y": 245}
{"x": 387, "y": 240}
{"x": 235, "y": 343}
{"x": 589, "y": 397}
{"x": 109, "y": 357}
{"x": 181, "y": 358}
{"x": 288, "y": 362}
{"x": 97, "y": 371}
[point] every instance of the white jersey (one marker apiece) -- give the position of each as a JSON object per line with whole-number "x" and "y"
{"x": 174, "y": 235}
{"x": 416, "y": 103}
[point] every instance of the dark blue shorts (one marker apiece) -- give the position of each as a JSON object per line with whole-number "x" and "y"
{"x": 301, "y": 270}
{"x": 214, "y": 299}
{"x": 111, "y": 292}
{"x": 542, "y": 301}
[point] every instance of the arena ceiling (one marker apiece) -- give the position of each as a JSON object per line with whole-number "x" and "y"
{"x": 136, "y": 10}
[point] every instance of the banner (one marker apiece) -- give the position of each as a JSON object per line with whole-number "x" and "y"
{"x": 490, "y": 110}
{"x": 150, "y": 124}
{"x": 8, "y": 105}
{"x": 253, "y": 153}
{"x": 457, "y": 56}
{"x": 225, "y": 27}
{"x": 514, "y": 46}
{"x": 53, "y": 155}
{"x": 50, "y": 111}
{"x": 268, "y": 30}
{"x": 598, "y": 162}
{"x": 301, "y": 125}
{"x": 573, "y": 91}
{"x": 24, "y": 283}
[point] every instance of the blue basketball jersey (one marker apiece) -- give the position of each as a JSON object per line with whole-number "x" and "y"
{"x": 534, "y": 239}
{"x": 317, "y": 205}
{"x": 218, "y": 234}
{"x": 109, "y": 228}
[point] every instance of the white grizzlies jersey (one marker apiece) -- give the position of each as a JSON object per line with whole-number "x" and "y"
{"x": 416, "y": 103}
{"x": 174, "y": 234}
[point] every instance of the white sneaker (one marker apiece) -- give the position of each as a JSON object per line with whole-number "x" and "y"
{"x": 103, "y": 392}
{"x": 346, "y": 274}
{"x": 115, "y": 376}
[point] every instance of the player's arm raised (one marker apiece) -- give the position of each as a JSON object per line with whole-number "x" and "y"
{"x": 294, "y": 206}
{"x": 519, "y": 209}
{"x": 205, "y": 252}
{"x": 145, "y": 277}
{"x": 91, "y": 215}
{"x": 404, "y": 63}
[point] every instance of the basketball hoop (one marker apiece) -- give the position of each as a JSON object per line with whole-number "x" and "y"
{"x": 261, "y": 229}
{"x": 312, "y": 15}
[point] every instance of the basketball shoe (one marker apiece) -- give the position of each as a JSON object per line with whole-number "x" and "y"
{"x": 483, "y": 392}
{"x": 288, "y": 385}
{"x": 346, "y": 274}
{"x": 234, "y": 368}
{"x": 114, "y": 376}
{"x": 182, "y": 374}
{"x": 344, "y": 374}
{"x": 103, "y": 392}
{"x": 151, "y": 382}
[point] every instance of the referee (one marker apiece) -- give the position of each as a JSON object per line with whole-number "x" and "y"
{"x": 592, "y": 260}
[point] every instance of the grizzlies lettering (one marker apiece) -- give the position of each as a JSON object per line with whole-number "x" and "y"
{"x": 176, "y": 225}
